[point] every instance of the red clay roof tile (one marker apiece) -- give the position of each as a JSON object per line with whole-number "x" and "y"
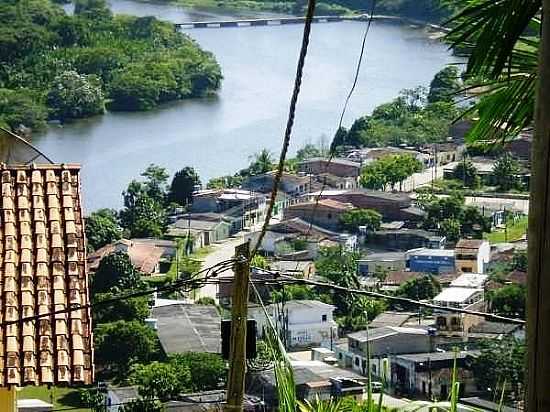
{"x": 42, "y": 270}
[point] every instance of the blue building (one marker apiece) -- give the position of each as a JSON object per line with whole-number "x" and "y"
{"x": 431, "y": 260}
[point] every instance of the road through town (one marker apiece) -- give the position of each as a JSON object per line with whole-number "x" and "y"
{"x": 221, "y": 251}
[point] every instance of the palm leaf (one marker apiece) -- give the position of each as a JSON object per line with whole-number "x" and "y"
{"x": 506, "y": 104}
{"x": 489, "y": 30}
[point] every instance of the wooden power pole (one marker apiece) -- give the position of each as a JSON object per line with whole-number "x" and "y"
{"x": 239, "y": 315}
{"x": 538, "y": 292}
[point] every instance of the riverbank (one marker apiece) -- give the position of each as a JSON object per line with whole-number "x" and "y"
{"x": 63, "y": 67}
{"x": 217, "y": 135}
{"x": 280, "y": 7}
{"x": 432, "y": 13}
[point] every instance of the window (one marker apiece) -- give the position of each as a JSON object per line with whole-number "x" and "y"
{"x": 329, "y": 215}
{"x": 356, "y": 361}
{"x": 324, "y": 318}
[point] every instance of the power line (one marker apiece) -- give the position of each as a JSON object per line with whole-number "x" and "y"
{"x": 490, "y": 316}
{"x": 290, "y": 123}
{"x": 190, "y": 283}
{"x": 342, "y": 114}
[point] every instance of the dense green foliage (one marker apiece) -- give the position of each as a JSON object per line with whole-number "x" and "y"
{"x": 207, "y": 369}
{"x": 509, "y": 300}
{"x": 519, "y": 260}
{"x": 260, "y": 162}
{"x": 352, "y": 219}
{"x": 74, "y": 95}
{"x": 506, "y": 172}
{"x": 389, "y": 171}
{"x": 294, "y": 292}
{"x": 224, "y": 182}
{"x": 22, "y": 108}
{"x": 144, "y": 213}
{"x": 162, "y": 381}
{"x": 426, "y": 10}
{"x": 63, "y": 67}
{"x": 339, "y": 266}
{"x": 445, "y": 85}
{"x": 127, "y": 309}
{"x": 409, "y": 119}
{"x": 143, "y": 405}
{"x": 121, "y": 343}
{"x": 501, "y": 363}
{"x": 182, "y": 186}
{"x": 115, "y": 274}
{"x": 185, "y": 372}
{"x": 452, "y": 218}
{"x": 426, "y": 287}
{"x": 102, "y": 228}
{"x": 466, "y": 172}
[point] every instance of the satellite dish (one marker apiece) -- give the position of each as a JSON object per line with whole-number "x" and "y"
{"x": 15, "y": 150}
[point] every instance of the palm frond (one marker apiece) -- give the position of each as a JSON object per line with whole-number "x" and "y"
{"x": 489, "y": 30}
{"x": 505, "y": 109}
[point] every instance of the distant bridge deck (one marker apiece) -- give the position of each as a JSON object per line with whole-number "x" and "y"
{"x": 275, "y": 21}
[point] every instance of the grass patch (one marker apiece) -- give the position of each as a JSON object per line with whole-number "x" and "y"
{"x": 63, "y": 398}
{"x": 187, "y": 263}
{"x": 515, "y": 230}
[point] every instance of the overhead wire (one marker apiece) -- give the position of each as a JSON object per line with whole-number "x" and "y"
{"x": 290, "y": 123}
{"x": 332, "y": 150}
{"x": 192, "y": 282}
{"x": 490, "y": 316}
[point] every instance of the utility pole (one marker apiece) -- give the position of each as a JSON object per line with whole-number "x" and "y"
{"x": 237, "y": 345}
{"x": 538, "y": 281}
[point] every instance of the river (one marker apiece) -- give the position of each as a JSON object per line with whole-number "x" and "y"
{"x": 218, "y": 135}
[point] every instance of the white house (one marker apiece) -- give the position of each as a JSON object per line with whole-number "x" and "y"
{"x": 304, "y": 322}
{"x": 463, "y": 298}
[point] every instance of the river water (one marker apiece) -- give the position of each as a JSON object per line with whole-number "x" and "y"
{"x": 218, "y": 135}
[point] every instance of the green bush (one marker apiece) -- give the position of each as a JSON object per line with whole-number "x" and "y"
{"x": 74, "y": 95}
{"x": 22, "y": 108}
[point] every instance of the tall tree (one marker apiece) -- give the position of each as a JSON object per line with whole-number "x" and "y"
{"x": 115, "y": 274}
{"x": 445, "y": 84}
{"x": 501, "y": 361}
{"x": 156, "y": 178}
{"x": 353, "y": 219}
{"x": 119, "y": 344}
{"x": 74, "y": 96}
{"x": 389, "y": 170}
{"x": 92, "y": 9}
{"x": 262, "y": 162}
{"x": 163, "y": 381}
{"x": 102, "y": 228}
{"x": 183, "y": 185}
{"x": 466, "y": 172}
{"x": 509, "y": 300}
{"x": 506, "y": 172}
{"x": 422, "y": 288}
{"x": 207, "y": 369}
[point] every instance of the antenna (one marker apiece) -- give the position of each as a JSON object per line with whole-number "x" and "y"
{"x": 16, "y": 150}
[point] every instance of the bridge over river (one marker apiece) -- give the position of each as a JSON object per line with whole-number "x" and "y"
{"x": 274, "y": 21}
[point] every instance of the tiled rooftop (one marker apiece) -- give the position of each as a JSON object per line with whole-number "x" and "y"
{"x": 42, "y": 270}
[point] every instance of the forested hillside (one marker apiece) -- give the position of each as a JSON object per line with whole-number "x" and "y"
{"x": 55, "y": 66}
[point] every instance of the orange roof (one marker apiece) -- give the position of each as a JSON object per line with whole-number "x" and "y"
{"x": 144, "y": 256}
{"x": 42, "y": 270}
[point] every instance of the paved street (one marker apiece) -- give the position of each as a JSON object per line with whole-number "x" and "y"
{"x": 420, "y": 179}
{"x": 221, "y": 251}
{"x": 520, "y": 205}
